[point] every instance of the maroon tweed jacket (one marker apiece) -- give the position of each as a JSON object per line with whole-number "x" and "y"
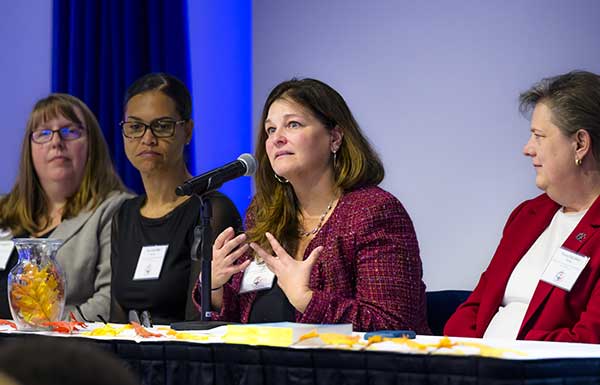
{"x": 369, "y": 273}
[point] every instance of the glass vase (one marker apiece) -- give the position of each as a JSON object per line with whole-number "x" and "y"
{"x": 36, "y": 285}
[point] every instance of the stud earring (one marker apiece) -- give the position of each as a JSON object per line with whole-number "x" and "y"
{"x": 578, "y": 162}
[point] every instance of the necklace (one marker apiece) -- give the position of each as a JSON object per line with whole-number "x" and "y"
{"x": 318, "y": 226}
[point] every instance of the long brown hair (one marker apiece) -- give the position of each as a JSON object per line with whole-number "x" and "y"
{"x": 275, "y": 206}
{"x": 25, "y": 208}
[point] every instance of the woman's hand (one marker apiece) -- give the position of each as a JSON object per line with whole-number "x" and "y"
{"x": 292, "y": 275}
{"x": 226, "y": 250}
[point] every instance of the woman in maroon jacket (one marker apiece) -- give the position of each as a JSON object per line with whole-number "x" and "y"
{"x": 542, "y": 283}
{"x": 323, "y": 243}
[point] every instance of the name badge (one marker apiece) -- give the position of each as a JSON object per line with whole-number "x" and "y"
{"x": 150, "y": 262}
{"x": 257, "y": 276}
{"x": 6, "y": 248}
{"x": 564, "y": 268}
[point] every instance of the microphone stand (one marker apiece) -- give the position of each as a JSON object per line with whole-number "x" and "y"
{"x": 202, "y": 250}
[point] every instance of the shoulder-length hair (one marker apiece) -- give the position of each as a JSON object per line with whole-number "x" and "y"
{"x": 25, "y": 208}
{"x": 275, "y": 207}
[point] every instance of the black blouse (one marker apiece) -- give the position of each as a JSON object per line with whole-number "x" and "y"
{"x": 272, "y": 305}
{"x": 167, "y": 298}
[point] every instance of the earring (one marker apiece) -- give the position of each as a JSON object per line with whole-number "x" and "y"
{"x": 578, "y": 162}
{"x": 280, "y": 179}
{"x": 334, "y": 159}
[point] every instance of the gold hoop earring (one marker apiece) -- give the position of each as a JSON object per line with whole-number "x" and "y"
{"x": 280, "y": 179}
{"x": 578, "y": 162}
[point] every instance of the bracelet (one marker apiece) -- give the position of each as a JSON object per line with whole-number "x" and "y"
{"x": 215, "y": 289}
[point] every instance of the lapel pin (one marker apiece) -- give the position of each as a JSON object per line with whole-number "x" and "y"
{"x": 580, "y": 237}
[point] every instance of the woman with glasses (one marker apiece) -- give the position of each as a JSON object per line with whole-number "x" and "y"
{"x": 66, "y": 189}
{"x": 153, "y": 234}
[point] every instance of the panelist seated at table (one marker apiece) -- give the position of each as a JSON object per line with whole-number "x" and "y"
{"x": 152, "y": 234}
{"x": 323, "y": 243}
{"x": 66, "y": 189}
{"x": 543, "y": 281}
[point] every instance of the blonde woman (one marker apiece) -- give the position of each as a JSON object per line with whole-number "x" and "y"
{"x": 66, "y": 189}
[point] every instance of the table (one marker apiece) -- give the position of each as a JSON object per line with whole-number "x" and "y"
{"x": 176, "y": 362}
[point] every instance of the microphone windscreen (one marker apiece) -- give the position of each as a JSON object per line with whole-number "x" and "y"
{"x": 250, "y": 162}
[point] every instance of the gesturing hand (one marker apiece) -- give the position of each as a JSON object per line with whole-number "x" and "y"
{"x": 292, "y": 275}
{"x": 227, "y": 250}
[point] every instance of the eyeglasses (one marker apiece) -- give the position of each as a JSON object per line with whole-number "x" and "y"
{"x": 65, "y": 133}
{"x": 159, "y": 128}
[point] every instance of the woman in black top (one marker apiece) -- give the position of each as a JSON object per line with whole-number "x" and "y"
{"x": 152, "y": 234}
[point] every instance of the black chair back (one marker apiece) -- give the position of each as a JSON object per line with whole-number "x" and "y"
{"x": 441, "y": 305}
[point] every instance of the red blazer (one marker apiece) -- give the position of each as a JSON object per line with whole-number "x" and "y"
{"x": 553, "y": 313}
{"x": 369, "y": 273}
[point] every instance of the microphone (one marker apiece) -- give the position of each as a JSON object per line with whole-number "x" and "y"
{"x": 211, "y": 180}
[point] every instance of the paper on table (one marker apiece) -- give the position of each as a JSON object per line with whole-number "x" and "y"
{"x": 278, "y": 333}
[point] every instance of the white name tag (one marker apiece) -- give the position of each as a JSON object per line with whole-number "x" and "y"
{"x": 150, "y": 262}
{"x": 6, "y": 248}
{"x": 257, "y": 276}
{"x": 564, "y": 268}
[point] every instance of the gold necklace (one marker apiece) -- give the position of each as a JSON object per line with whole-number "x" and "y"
{"x": 314, "y": 231}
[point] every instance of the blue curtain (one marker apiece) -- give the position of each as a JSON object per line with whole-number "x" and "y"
{"x": 101, "y": 46}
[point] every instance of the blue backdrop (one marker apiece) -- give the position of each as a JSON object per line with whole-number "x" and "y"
{"x": 100, "y": 47}
{"x": 221, "y": 53}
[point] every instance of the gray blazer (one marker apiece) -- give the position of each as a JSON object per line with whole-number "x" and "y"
{"x": 85, "y": 258}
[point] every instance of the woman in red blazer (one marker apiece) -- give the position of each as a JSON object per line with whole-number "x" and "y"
{"x": 543, "y": 281}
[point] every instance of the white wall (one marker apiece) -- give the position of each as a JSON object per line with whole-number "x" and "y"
{"x": 434, "y": 85}
{"x": 25, "y": 65}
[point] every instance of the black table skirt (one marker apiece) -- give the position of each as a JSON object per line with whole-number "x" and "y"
{"x": 216, "y": 364}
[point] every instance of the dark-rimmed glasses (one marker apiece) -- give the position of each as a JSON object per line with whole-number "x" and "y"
{"x": 65, "y": 133}
{"x": 163, "y": 128}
